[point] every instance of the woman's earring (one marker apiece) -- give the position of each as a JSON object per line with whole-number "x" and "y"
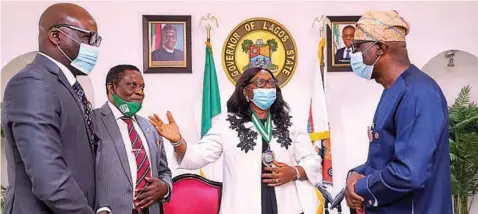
{"x": 245, "y": 96}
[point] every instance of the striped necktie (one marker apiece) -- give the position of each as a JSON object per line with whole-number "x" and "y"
{"x": 143, "y": 168}
{"x": 86, "y": 109}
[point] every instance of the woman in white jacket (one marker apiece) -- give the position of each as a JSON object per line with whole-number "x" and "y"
{"x": 270, "y": 166}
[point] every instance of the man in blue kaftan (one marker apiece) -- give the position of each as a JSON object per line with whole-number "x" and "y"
{"x": 408, "y": 165}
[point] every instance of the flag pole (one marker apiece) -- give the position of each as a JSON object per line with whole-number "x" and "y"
{"x": 206, "y": 21}
{"x": 319, "y": 132}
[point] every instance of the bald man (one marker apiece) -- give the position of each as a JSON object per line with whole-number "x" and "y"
{"x": 46, "y": 117}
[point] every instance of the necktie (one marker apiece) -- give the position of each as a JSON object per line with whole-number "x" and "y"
{"x": 143, "y": 168}
{"x": 347, "y": 56}
{"x": 86, "y": 109}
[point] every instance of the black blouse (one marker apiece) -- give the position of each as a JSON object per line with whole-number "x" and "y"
{"x": 268, "y": 194}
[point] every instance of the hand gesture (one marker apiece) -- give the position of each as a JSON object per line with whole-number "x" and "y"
{"x": 279, "y": 175}
{"x": 153, "y": 192}
{"x": 354, "y": 200}
{"x": 168, "y": 130}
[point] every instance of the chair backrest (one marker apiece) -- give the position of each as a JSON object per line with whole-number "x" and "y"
{"x": 194, "y": 194}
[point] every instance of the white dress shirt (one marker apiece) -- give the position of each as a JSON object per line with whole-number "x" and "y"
{"x": 168, "y": 50}
{"x": 345, "y": 53}
{"x": 68, "y": 74}
{"x": 123, "y": 127}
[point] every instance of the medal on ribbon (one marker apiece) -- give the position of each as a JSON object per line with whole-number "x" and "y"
{"x": 268, "y": 158}
{"x": 369, "y": 133}
{"x": 266, "y": 134}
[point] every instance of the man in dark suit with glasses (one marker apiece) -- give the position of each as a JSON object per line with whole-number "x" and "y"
{"x": 47, "y": 119}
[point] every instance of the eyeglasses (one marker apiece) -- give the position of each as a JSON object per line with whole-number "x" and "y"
{"x": 261, "y": 83}
{"x": 95, "y": 39}
{"x": 356, "y": 45}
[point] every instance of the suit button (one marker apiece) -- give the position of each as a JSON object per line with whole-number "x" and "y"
{"x": 129, "y": 190}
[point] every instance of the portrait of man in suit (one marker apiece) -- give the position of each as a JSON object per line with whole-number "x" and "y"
{"x": 342, "y": 56}
{"x": 132, "y": 170}
{"x": 170, "y": 46}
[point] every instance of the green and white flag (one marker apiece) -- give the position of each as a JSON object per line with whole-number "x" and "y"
{"x": 211, "y": 107}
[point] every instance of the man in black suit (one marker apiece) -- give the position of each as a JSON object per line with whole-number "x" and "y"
{"x": 167, "y": 51}
{"x": 46, "y": 117}
{"x": 342, "y": 56}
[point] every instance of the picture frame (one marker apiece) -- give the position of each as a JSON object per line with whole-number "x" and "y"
{"x": 338, "y": 54}
{"x": 167, "y": 44}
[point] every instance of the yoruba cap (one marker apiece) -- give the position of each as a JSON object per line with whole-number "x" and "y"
{"x": 381, "y": 26}
{"x": 169, "y": 27}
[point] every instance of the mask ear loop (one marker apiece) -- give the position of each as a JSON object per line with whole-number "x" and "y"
{"x": 57, "y": 46}
{"x": 245, "y": 95}
{"x": 112, "y": 89}
{"x": 68, "y": 36}
{"x": 366, "y": 49}
{"x": 380, "y": 53}
{"x": 376, "y": 60}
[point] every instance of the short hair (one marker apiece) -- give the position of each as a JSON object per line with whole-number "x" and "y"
{"x": 115, "y": 74}
{"x": 348, "y": 26}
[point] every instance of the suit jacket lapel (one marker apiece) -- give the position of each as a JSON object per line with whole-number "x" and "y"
{"x": 53, "y": 68}
{"x": 65, "y": 82}
{"x": 110, "y": 123}
{"x": 146, "y": 129}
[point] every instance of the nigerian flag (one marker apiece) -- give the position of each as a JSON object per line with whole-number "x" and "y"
{"x": 211, "y": 101}
{"x": 211, "y": 107}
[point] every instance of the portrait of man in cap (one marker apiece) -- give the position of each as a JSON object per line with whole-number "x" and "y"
{"x": 167, "y": 44}
{"x": 170, "y": 45}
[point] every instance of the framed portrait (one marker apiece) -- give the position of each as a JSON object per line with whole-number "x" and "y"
{"x": 166, "y": 44}
{"x": 340, "y": 34}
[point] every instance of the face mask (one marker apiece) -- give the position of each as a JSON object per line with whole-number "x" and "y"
{"x": 264, "y": 97}
{"x": 86, "y": 59}
{"x": 359, "y": 67}
{"x": 129, "y": 109}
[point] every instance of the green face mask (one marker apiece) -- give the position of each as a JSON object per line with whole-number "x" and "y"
{"x": 129, "y": 109}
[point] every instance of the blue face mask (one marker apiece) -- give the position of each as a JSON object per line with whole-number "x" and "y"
{"x": 86, "y": 59}
{"x": 264, "y": 97}
{"x": 359, "y": 67}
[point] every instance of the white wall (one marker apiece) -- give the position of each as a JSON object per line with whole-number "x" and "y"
{"x": 452, "y": 79}
{"x": 435, "y": 27}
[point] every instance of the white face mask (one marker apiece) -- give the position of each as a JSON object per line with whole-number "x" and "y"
{"x": 86, "y": 59}
{"x": 359, "y": 67}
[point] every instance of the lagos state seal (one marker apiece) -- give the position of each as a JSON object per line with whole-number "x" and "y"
{"x": 260, "y": 42}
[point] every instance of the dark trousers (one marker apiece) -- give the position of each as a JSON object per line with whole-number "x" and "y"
{"x": 144, "y": 211}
